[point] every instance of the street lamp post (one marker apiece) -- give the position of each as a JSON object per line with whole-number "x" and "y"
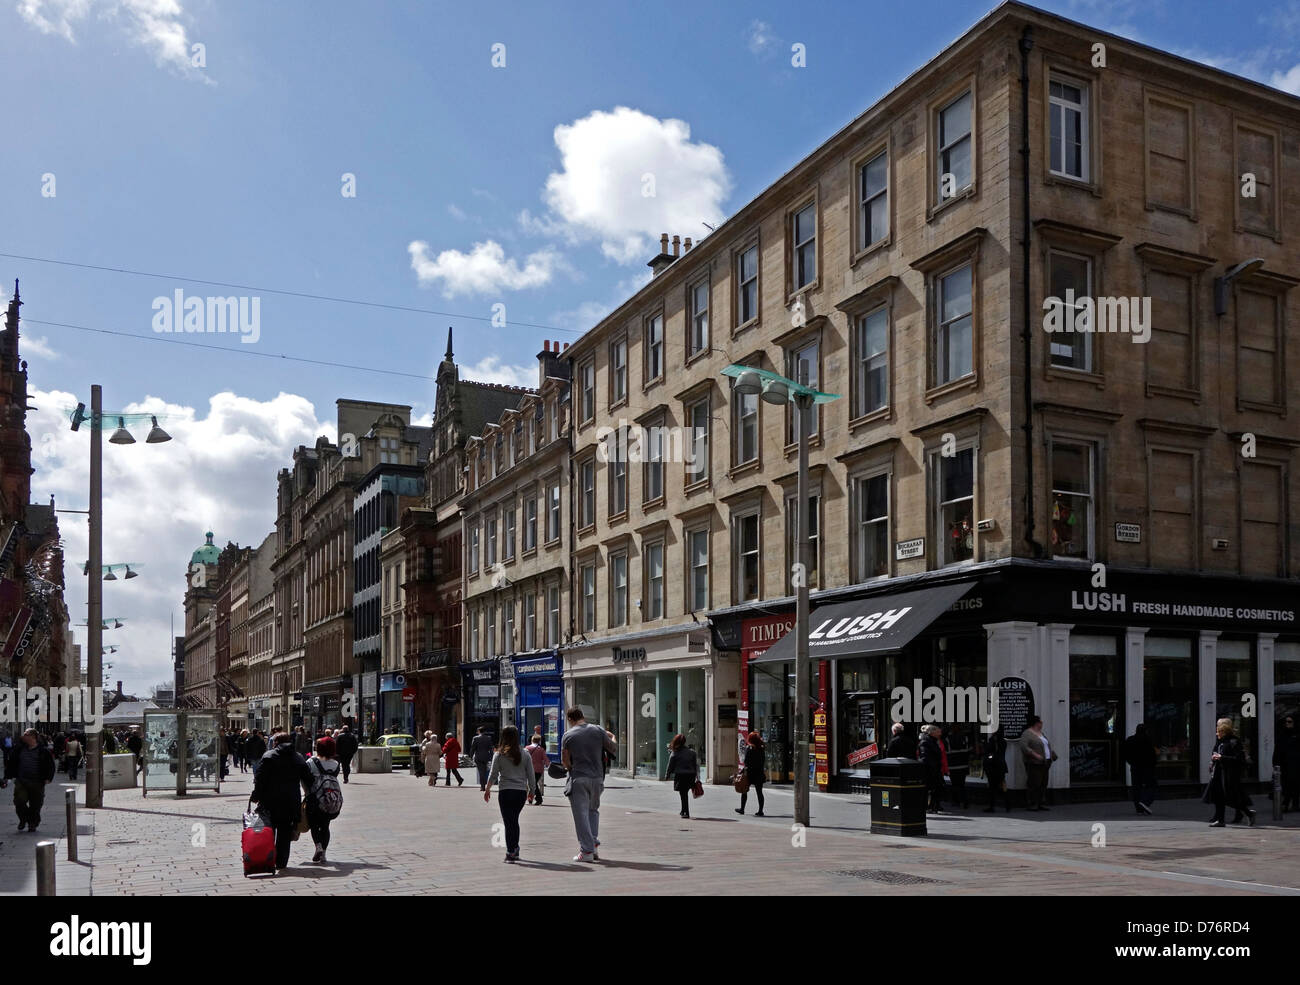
{"x": 777, "y": 389}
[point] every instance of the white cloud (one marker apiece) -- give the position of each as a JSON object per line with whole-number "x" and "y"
{"x": 490, "y": 369}
{"x": 583, "y": 317}
{"x": 627, "y": 177}
{"x": 35, "y": 347}
{"x": 760, "y": 37}
{"x": 484, "y": 270}
{"x": 153, "y": 24}
{"x": 456, "y": 212}
{"x": 1288, "y": 81}
{"x": 218, "y": 473}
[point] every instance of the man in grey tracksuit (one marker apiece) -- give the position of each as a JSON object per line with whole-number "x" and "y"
{"x": 580, "y": 751}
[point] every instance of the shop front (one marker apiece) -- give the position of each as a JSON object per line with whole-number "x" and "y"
{"x": 648, "y": 687}
{"x": 481, "y": 691}
{"x": 539, "y": 698}
{"x": 396, "y": 705}
{"x": 367, "y": 685}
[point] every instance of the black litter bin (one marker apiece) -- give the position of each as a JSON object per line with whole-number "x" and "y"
{"x": 898, "y": 797}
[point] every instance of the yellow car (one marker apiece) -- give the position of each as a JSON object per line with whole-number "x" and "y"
{"x": 401, "y": 746}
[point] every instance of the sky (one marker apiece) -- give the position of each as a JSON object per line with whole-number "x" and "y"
{"x": 480, "y": 166}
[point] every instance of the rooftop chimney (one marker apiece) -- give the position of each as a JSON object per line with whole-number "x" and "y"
{"x": 677, "y": 246}
{"x": 686, "y": 245}
{"x": 661, "y": 263}
{"x": 549, "y": 363}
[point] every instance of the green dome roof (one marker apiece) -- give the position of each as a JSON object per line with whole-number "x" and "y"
{"x": 207, "y": 554}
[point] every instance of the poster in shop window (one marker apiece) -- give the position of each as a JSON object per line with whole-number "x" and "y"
{"x": 1015, "y": 706}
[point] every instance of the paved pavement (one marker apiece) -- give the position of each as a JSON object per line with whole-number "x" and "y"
{"x": 398, "y": 836}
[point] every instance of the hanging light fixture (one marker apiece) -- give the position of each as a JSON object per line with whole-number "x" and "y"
{"x": 749, "y": 383}
{"x": 156, "y": 435}
{"x": 776, "y": 392}
{"x": 121, "y": 436}
{"x": 110, "y": 576}
{"x": 130, "y": 573}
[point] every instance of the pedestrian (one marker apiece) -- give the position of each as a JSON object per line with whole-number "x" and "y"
{"x": 480, "y": 748}
{"x": 72, "y": 756}
{"x": 451, "y": 758}
{"x": 514, "y": 772}
{"x": 135, "y": 745}
{"x": 346, "y": 743}
{"x": 110, "y": 743}
{"x": 60, "y": 756}
{"x": 755, "y": 772}
{"x": 537, "y": 753}
{"x": 240, "y": 750}
{"x": 255, "y": 749}
{"x": 1227, "y": 764}
{"x": 684, "y": 768}
{"x": 276, "y": 785}
{"x": 932, "y": 756}
{"x": 995, "y": 769}
{"x": 1140, "y": 754}
{"x": 325, "y": 798}
{"x": 957, "y": 747}
{"x": 223, "y": 751}
{"x": 1286, "y": 754}
{"x": 430, "y": 750}
{"x": 31, "y": 767}
{"x": 1039, "y": 757}
{"x": 580, "y": 754}
{"x": 902, "y": 745}
{"x": 302, "y": 742}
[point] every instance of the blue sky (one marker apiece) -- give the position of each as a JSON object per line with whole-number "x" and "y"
{"x": 232, "y": 172}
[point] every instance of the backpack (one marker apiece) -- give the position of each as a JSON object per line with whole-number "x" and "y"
{"x": 325, "y": 791}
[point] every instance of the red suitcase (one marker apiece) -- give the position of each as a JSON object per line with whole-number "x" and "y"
{"x": 258, "y": 842}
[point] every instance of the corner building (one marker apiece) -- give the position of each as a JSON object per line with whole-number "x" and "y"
{"x": 910, "y": 264}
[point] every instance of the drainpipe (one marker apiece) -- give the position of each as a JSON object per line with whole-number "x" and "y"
{"x": 1026, "y": 45}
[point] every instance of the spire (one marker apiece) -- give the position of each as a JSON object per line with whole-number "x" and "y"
{"x": 448, "y": 357}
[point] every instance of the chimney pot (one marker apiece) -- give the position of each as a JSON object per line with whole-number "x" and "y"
{"x": 687, "y": 244}
{"x": 566, "y": 345}
{"x": 663, "y": 243}
{"x": 677, "y": 245}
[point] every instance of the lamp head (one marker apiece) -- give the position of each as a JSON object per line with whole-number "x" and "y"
{"x": 110, "y": 576}
{"x": 121, "y": 436}
{"x": 156, "y": 436}
{"x": 748, "y": 383}
{"x": 776, "y": 392}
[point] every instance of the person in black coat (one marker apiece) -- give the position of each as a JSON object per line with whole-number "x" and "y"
{"x": 255, "y": 749}
{"x": 1286, "y": 754}
{"x": 30, "y": 767}
{"x": 684, "y": 768}
{"x": 1227, "y": 764}
{"x": 932, "y": 757}
{"x": 1140, "y": 754}
{"x": 995, "y": 769}
{"x": 276, "y": 790}
{"x": 902, "y": 745}
{"x": 346, "y": 743}
{"x": 958, "y": 747}
{"x": 755, "y": 771}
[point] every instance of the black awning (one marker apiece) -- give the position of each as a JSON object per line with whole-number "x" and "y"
{"x": 872, "y": 625}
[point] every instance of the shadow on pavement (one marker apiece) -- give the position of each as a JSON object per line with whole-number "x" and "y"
{"x": 643, "y": 866}
{"x": 328, "y": 870}
{"x": 554, "y": 866}
{"x": 198, "y": 817}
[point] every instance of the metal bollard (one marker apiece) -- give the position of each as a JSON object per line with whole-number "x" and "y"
{"x": 45, "y": 868}
{"x": 1277, "y": 793}
{"x": 70, "y": 799}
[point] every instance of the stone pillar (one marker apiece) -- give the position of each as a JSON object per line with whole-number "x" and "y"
{"x": 1134, "y": 678}
{"x": 1054, "y": 707}
{"x": 1014, "y": 651}
{"x": 1264, "y": 706}
{"x": 1208, "y": 651}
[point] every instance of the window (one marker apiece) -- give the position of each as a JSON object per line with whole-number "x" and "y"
{"x": 1172, "y": 480}
{"x": 530, "y": 522}
{"x": 1073, "y": 519}
{"x": 491, "y": 540}
{"x": 532, "y": 436}
{"x": 588, "y": 598}
{"x": 654, "y": 348}
{"x": 1257, "y": 157}
{"x": 473, "y": 635}
{"x": 587, "y": 502}
{"x": 802, "y": 366}
{"x": 588, "y": 376}
{"x": 699, "y": 327}
{"x": 954, "y": 147}
{"x": 553, "y": 615}
{"x": 473, "y": 545}
{"x": 697, "y": 421}
{"x": 872, "y": 381}
{"x": 698, "y": 559}
{"x": 872, "y": 526}
{"x": 744, "y": 427}
{"x": 388, "y": 451}
{"x": 1069, "y": 128}
{"x": 956, "y": 500}
{"x": 747, "y": 290}
{"x": 1171, "y": 356}
{"x": 652, "y": 468}
{"x": 1170, "y": 167}
{"x": 1263, "y": 518}
{"x": 618, "y": 590}
{"x": 792, "y": 538}
{"x": 1070, "y": 277}
{"x": 654, "y": 581}
{"x": 1260, "y": 347}
{"x": 873, "y": 201}
{"x": 618, "y": 371}
{"x": 618, "y": 474}
{"x": 509, "y": 531}
{"x": 553, "y": 511}
{"x": 530, "y": 621}
{"x": 508, "y": 626}
{"x": 803, "y": 228}
{"x": 953, "y": 349}
{"x": 745, "y": 538}
{"x": 490, "y": 621}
